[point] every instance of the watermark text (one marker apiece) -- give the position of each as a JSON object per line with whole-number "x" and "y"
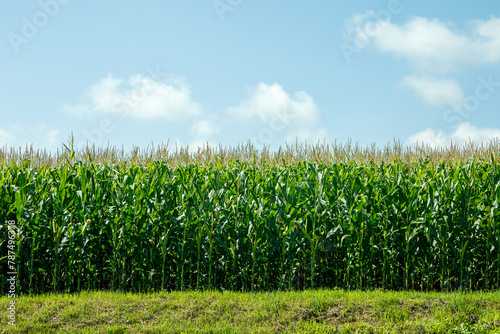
{"x": 31, "y": 26}
{"x": 11, "y": 272}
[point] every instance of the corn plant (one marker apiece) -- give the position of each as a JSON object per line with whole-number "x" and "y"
{"x": 256, "y": 225}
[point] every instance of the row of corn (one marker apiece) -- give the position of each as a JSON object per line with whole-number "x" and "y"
{"x": 242, "y": 226}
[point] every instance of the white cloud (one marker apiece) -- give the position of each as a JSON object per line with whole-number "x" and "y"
{"x": 40, "y": 136}
{"x": 432, "y": 47}
{"x": 51, "y": 138}
{"x": 204, "y": 128}
{"x": 271, "y": 103}
{"x": 429, "y": 45}
{"x": 278, "y": 112}
{"x": 139, "y": 97}
{"x": 6, "y": 138}
{"x": 436, "y": 91}
{"x": 283, "y": 115}
{"x": 461, "y": 135}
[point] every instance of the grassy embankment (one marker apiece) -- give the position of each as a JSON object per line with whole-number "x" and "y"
{"x": 320, "y": 311}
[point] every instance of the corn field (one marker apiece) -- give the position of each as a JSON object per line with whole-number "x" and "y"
{"x": 253, "y": 226}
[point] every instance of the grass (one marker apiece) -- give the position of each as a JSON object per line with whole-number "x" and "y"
{"x": 311, "y": 311}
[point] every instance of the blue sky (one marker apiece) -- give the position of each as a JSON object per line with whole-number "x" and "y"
{"x": 225, "y": 72}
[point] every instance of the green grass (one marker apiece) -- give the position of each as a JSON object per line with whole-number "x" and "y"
{"x": 312, "y": 311}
